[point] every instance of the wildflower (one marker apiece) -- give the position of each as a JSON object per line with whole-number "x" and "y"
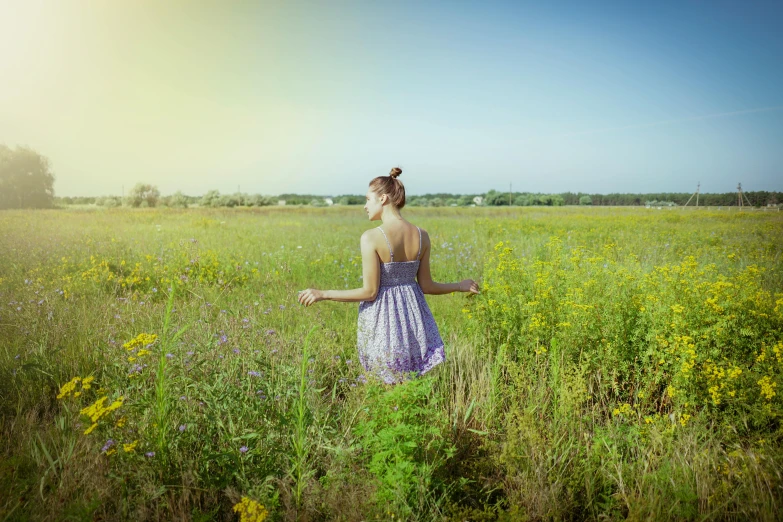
{"x": 254, "y": 373}
{"x": 107, "y": 446}
{"x": 250, "y": 511}
{"x": 767, "y": 387}
{"x": 128, "y": 448}
{"x": 243, "y": 449}
{"x": 182, "y": 427}
{"x": 140, "y": 341}
{"x": 169, "y": 356}
{"x": 236, "y": 351}
{"x": 149, "y": 454}
{"x": 270, "y": 332}
{"x": 121, "y": 421}
{"x": 68, "y": 388}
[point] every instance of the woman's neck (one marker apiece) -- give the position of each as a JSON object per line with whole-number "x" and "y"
{"x": 390, "y": 214}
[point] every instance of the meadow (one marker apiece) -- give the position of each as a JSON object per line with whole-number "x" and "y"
{"x": 619, "y": 363}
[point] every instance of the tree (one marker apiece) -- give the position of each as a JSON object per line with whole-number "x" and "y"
{"x": 178, "y": 200}
{"x": 25, "y": 179}
{"x": 143, "y": 195}
{"x": 210, "y": 199}
{"x": 585, "y": 200}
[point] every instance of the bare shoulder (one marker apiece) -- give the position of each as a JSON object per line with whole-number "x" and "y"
{"x": 370, "y": 234}
{"x": 425, "y": 238}
{"x": 370, "y": 237}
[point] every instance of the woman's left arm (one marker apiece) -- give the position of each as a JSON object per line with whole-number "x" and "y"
{"x": 371, "y": 279}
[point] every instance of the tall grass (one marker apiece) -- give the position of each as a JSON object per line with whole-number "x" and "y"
{"x": 245, "y": 394}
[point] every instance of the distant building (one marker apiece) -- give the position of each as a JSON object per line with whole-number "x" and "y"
{"x": 478, "y": 200}
{"x": 281, "y": 202}
{"x": 328, "y": 202}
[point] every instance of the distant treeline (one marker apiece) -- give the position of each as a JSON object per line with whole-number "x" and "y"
{"x": 148, "y": 196}
{"x": 26, "y": 181}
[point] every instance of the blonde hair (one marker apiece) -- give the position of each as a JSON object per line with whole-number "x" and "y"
{"x": 391, "y": 186}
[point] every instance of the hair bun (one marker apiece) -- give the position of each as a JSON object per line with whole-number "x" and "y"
{"x": 396, "y": 171}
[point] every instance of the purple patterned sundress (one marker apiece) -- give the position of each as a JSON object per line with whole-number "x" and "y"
{"x": 397, "y": 333}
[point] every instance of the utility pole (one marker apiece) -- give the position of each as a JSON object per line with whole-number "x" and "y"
{"x": 739, "y": 195}
{"x": 695, "y": 194}
{"x": 509, "y": 194}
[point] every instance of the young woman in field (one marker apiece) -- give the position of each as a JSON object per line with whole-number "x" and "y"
{"x": 396, "y": 333}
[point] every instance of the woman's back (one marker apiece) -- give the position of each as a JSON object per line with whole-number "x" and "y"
{"x": 399, "y": 242}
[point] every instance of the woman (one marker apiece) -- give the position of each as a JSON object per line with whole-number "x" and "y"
{"x": 397, "y": 333}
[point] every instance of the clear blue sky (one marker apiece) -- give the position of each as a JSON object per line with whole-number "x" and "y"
{"x": 316, "y": 97}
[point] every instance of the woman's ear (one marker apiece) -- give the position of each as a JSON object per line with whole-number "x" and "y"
{"x": 384, "y": 198}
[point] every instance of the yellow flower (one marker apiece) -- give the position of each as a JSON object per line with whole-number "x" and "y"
{"x": 767, "y": 387}
{"x": 250, "y": 511}
{"x": 142, "y": 340}
{"x": 98, "y": 409}
{"x": 91, "y": 428}
{"x": 684, "y": 419}
{"x": 67, "y": 388}
{"x": 128, "y": 448}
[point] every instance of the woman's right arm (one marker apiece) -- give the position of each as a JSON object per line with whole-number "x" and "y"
{"x": 424, "y": 277}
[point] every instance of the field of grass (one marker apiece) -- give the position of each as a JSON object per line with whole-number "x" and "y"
{"x": 621, "y": 363}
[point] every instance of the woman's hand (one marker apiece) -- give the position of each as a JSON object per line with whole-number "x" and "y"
{"x": 468, "y": 285}
{"x": 310, "y": 296}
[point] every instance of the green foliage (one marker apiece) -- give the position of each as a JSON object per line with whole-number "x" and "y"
{"x": 401, "y": 434}
{"x": 25, "y": 179}
{"x": 143, "y": 195}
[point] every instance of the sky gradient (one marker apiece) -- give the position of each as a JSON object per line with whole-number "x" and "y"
{"x": 317, "y": 97}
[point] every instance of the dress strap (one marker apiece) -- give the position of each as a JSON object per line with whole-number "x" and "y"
{"x": 391, "y": 254}
{"x": 417, "y": 255}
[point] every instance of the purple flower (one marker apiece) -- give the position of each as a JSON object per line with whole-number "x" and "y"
{"x": 169, "y": 356}
{"x": 254, "y": 373}
{"x": 245, "y": 320}
{"x": 348, "y": 361}
{"x": 190, "y": 352}
{"x": 223, "y": 339}
{"x": 149, "y": 454}
{"x": 270, "y": 332}
{"x": 282, "y": 307}
{"x": 109, "y": 444}
{"x": 182, "y": 427}
{"x": 274, "y": 351}
{"x": 236, "y": 351}
{"x": 183, "y": 398}
{"x": 222, "y": 311}
{"x": 243, "y": 449}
